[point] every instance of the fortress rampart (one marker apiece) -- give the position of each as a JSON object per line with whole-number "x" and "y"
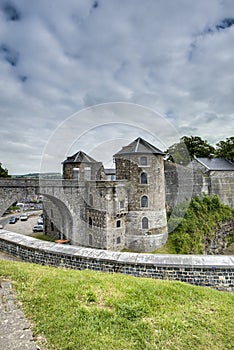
{"x": 202, "y": 270}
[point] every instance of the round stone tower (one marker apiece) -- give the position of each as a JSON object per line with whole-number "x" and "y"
{"x": 142, "y": 165}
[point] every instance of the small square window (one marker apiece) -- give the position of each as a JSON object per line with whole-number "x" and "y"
{"x": 143, "y": 160}
{"x": 118, "y": 223}
{"x": 121, "y": 204}
{"x": 118, "y": 240}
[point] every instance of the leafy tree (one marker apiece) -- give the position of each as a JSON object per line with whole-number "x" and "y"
{"x": 3, "y": 172}
{"x": 188, "y": 148}
{"x": 225, "y": 149}
{"x": 178, "y": 153}
{"x": 198, "y": 147}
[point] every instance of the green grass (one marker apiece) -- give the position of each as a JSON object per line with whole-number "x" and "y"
{"x": 43, "y": 237}
{"x": 90, "y": 310}
{"x": 230, "y": 250}
{"x": 195, "y": 230}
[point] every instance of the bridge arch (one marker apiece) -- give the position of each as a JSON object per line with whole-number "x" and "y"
{"x": 58, "y": 217}
{"x": 14, "y": 190}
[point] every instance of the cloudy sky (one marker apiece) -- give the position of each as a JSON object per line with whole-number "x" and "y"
{"x": 58, "y": 57}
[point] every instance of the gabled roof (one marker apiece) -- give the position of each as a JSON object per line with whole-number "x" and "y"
{"x": 80, "y": 157}
{"x": 216, "y": 163}
{"x": 139, "y": 146}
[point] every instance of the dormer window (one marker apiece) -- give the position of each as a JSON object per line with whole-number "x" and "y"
{"x": 144, "y": 179}
{"x": 143, "y": 160}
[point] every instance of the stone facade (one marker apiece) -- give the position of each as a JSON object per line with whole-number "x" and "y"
{"x": 182, "y": 183}
{"x": 211, "y": 271}
{"x": 128, "y": 212}
{"x": 91, "y": 209}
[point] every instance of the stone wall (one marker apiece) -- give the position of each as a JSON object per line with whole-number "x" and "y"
{"x": 212, "y": 271}
{"x": 183, "y": 183}
{"x": 219, "y": 241}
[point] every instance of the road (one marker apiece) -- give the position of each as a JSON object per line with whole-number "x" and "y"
{"x": 23, "y": 227}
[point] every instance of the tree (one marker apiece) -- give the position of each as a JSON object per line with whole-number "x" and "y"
{"x": 189, "y": 147}
{"x": 178, "y": 153}
{"x": 3, "y": 172}
{"x": 198, "y": 147}
{"x": 225, "y": 149}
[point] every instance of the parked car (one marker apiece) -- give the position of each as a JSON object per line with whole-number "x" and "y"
{"x": 38, "y": 228}
{"x": 23, "y": 217}
{"x": 1, "y": 227}
{"x": 13, "y": 220}
{"x": 40, "y": 221}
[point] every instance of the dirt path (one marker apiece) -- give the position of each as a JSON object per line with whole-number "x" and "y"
{"x": 15, "y": 330}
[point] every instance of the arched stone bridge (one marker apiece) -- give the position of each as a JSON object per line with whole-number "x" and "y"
{"x": 62, "y": 193}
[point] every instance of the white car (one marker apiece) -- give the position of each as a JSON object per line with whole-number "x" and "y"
{"x": 38, "y": 228}
{"x": 23, "y": 217}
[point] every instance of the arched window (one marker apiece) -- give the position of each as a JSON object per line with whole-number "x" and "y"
{"x": 143, "y": 160}
{"x": 145, "y": 223}
{"x": 144, "y": 201}
{"x": 144, "y": 179}
{"x": 91, "y": 199}
{"x": 90, "y": 222}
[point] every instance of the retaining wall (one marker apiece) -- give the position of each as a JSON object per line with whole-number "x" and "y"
{"x": 203, "y": 270}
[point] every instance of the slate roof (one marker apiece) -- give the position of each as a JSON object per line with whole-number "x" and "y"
{"x": 139, "y": 146}
{"x": 80, "y": 157}
{"x": 216, "y": 164}
{"x": 110, "y": 171}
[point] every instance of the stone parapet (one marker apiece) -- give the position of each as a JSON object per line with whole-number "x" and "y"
{"x": 203, "y": 270}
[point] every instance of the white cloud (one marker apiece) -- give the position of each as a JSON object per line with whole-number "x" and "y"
{"x": 166, "y": 55}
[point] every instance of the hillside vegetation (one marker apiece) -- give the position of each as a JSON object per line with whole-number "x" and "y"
{"x": 197, "y": 228}
{"x": 89, "y": 310}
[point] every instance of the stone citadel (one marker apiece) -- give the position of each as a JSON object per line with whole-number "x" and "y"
{"x": 126, "y": 207}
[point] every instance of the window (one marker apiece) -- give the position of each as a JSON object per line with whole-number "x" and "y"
{"x": 90, "y": 240}
{"x": 144, "y": 179}
{"x": 118, "y": 223}
{"x": 76, "y": 173}
{"x": 121, "y": 204}
{"x": 143, "y": 160}
{"x": 118, "y": 240}
{"x": 144, "y": 201}
{"x": 145, "y": 223}
{"x": 52, "y": 226}
{"x": 90, "y": 222}
{"x": 87, "y": 173}
{"x": 91, "y": 199}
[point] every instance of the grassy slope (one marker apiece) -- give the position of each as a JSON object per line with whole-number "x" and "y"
{"x": 91, "y": 310}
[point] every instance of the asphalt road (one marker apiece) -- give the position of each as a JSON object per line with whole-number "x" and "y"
{"x": 23, "y": 227}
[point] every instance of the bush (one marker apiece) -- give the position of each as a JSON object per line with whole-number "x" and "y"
{"x": 196, "y": 230}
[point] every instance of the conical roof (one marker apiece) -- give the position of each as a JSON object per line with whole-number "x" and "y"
{"x": 80, "y": 157}
{"x": 139, "y": 146}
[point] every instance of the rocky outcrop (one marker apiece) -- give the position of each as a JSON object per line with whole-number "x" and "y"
{"x": 220, "y": 239}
